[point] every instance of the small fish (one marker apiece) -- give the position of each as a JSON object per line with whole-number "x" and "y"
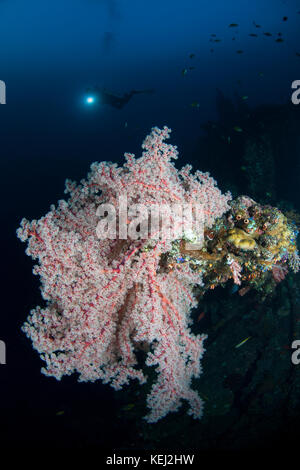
{"x": 285, "y": 18}
{"x": 192, "y": 56}
{"x": 279, "y": 34}
{"x": 239, "y": 51}
{"x": 279, "y": 40}
{"x": 183, "y": 72}
{"x": 243, "y": 291}
{"x": 201, "y": 316}
{"x": 242, "y": 342}
{"x": 256, "y": 25}
{"x": 233, "y": 39}
{"x": 243, "y": 168}
{"x": 267, "y": 34}
{"x": 60, "y": 413}
{"x": 212, "y": 50}
{"x": 234, "y": 289}
{"x": 237, "y": 129}
{"x": 228, "y": 139}
{"x": 253, "y": 35}
{"x": 298, "y": 54}
{"x": 204, "y": 397}
{"x": 126, "y": 124}
{"x": 213, "y": 35}
{"x": 191, "y": 68}
{"x": 195, "y": 104}
{"x": 217, "y": 40}
{"x": 260, "y": 74}
{"x": 233, "y": 25}
{"x": 245, "y": 97}
{"x": 128, "y": 407}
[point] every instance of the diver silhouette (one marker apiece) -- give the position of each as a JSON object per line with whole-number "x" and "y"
{"x": 118, "y": 101}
